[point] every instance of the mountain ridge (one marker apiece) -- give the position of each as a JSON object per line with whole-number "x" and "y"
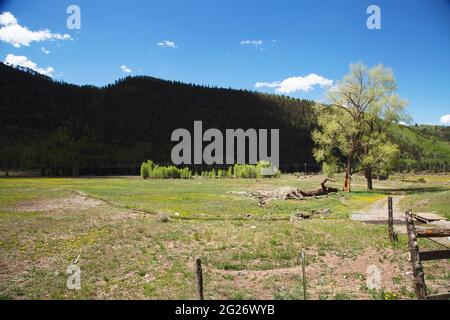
{"x": 46, "y": 124}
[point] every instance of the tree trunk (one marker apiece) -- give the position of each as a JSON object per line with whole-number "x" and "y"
{"x": 348, "y": 172}
{"x": 368, "y": 174}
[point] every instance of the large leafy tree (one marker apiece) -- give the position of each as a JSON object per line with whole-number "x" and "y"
{"x": 353, "y": 122}
{"x": 378, "y": 152}
{"x": 378, "y": 155}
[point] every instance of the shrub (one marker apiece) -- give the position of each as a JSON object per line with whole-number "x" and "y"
{"x": 186, "y": 173}
{"x": 144, "y": 170}
{"x": 248, "y": 171}
{"x": 230, "y": 172}
{"x": 150, "y": 165}
{"x": 150, "y": 170}
{"x": 264, "y": 169}
{"x": 243, "y": 171}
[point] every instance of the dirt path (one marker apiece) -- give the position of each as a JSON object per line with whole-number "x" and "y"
{"x": 378, "y": 211}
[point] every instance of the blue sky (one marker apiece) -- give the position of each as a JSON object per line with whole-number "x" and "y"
{"x": 240, "y": 43}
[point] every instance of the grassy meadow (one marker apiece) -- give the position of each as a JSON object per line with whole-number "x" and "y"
{"x": 128, "y": 249}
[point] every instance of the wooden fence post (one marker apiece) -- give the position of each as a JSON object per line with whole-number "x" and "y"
{"x": 419, "y": 279}
{"x": 302, "y": 256}
{"x": 199, "y": 278}
{"x": 392, "y": 236}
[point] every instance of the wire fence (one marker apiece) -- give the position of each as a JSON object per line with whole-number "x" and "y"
{"x": 134, "y": 169}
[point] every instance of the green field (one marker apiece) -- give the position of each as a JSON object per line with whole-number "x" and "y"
{"x": 127, "y": 249}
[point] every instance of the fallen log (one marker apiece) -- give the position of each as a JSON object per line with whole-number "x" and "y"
{"x": 324, "y": 190}
{"x": 433, "y": 233}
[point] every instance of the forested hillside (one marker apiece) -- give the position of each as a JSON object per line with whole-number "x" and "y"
{"x": 432, "y": 132}
{"x": 67, "y": 129}
{"x": 422, "y": 148}
{"x": 45, "y": 124}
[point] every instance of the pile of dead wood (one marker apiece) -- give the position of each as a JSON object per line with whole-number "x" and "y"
{"x": 286, "y": 193}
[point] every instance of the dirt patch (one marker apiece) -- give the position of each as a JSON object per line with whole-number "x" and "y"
{"x": 74, "y": 202}
{"x": 329, "y": 276}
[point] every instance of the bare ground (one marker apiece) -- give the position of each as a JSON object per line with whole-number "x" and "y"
{"x": 72, "y": 202}
{"x": 378, "y": 211}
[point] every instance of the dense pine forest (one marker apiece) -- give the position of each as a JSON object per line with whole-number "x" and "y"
{"x": 63, "y": 129}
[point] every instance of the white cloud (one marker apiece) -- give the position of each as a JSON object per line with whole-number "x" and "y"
{"x": 22, "y": 61}
{"x": 167, "y": 44}
{"x": 6, "y": 19}
{"x": 125, "y": 69}
{"x": 45, "y": 50}
{"x": 296, "y": 84}
{"x": 445, "y": 119}
{"x": 255, "y": 43}
{"x": 15, "y": 34}
{"x": 275, "y": 84}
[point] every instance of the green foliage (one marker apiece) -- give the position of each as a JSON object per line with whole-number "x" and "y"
{"x": 265, "y": 170}
{"x": 330, "y": 168}
{"x": 380, "y": 154}
{"x": 245, "y": 171}
{"x": 186, "y": 173}
{"x": 352, "y": 126}
{"x": 418, "y": 151}
{"x": 242, "y": 171}
{"x": 383, "y": 294}
{"x": 150, "y": 170}
{"x": 150, "y": 165}
{"x": 144, "y": 170}
{"x": 229, "y": 173}
{"x": 433, "y": 132}
{"x": 261, "y": 170}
